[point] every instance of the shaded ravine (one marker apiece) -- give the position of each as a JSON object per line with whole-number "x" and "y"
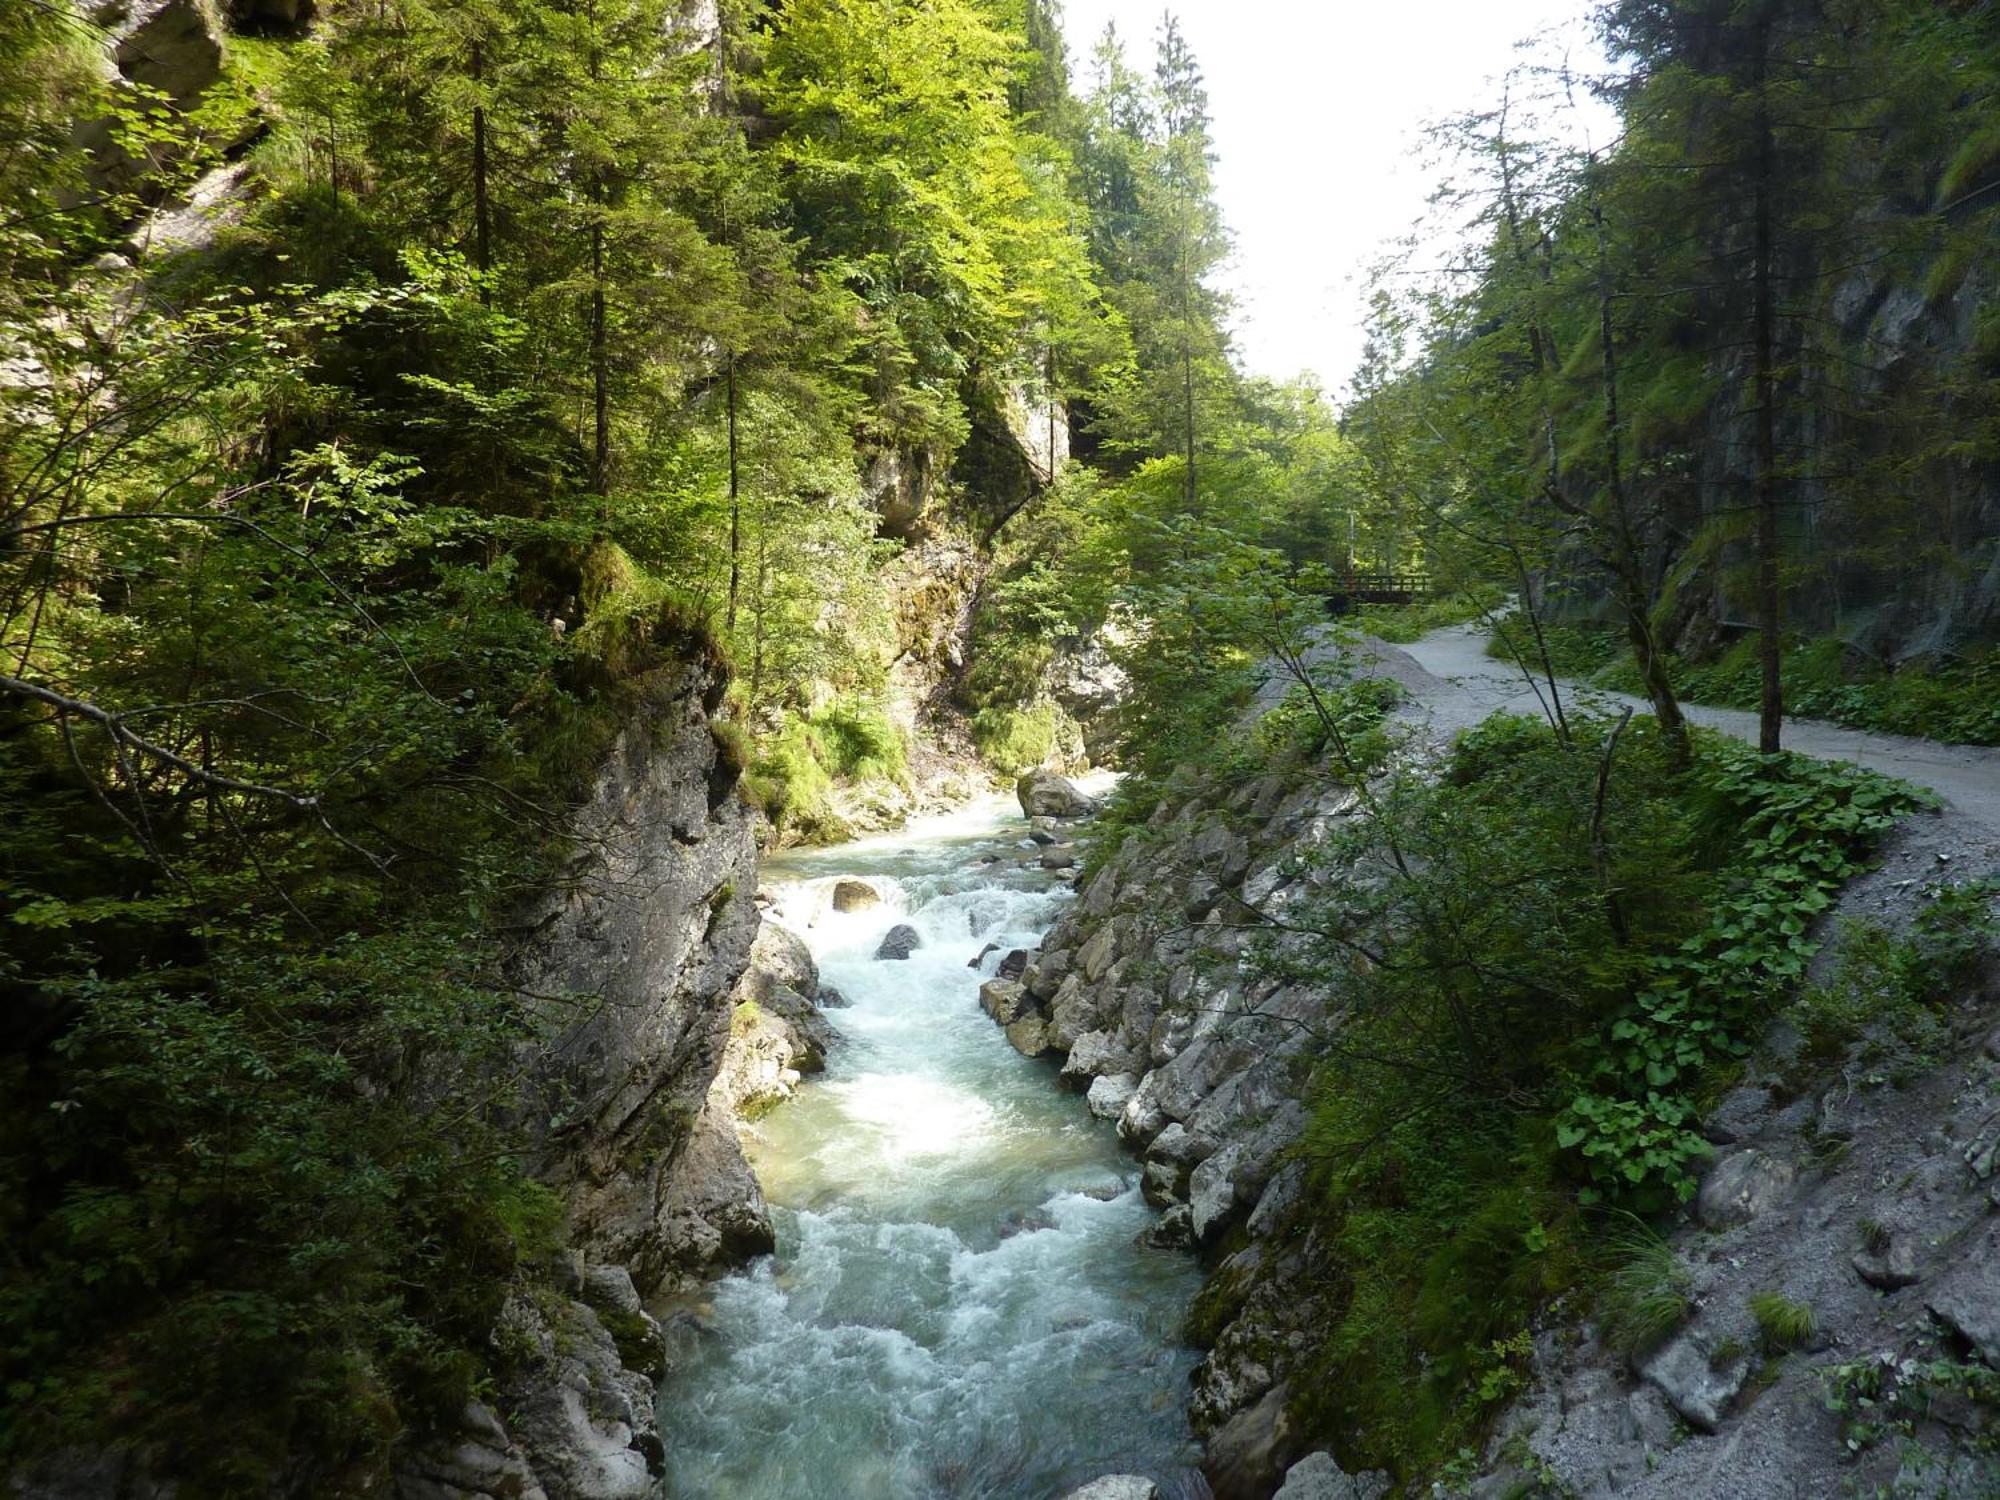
{"x": 957, "y": 1306}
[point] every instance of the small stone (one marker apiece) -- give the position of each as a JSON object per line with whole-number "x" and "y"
{"x": 1891, "y": 1270}
{"x": 984, "y": 954}
{"x": 1061, "y": 857}
{"x": 832, "y": 999}
{"x": 855, "y": 895}
{"x": 1042, "y": 836}
{"x": 900, "y": 942}
{"x": 1013, "y": 965}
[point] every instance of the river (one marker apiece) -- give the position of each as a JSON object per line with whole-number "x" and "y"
{"x": 957, "y": 1306}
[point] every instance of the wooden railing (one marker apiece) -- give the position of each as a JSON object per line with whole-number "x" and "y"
{"x": 1378, "y": 588}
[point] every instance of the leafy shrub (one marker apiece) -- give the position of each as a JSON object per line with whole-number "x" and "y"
{"x": 1792, "y": 830}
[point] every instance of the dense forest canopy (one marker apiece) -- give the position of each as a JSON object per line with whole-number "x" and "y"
{"x": 513, "y": 352}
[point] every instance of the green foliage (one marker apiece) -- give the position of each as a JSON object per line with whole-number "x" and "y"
{"x": 1956, "y": 701}
{"x": 1889, "y": 992}
{"x": 1644, "y": 1293}
{"x": 1013, "y": 740}
{"x": 1783, "y": 1324}
{"x": 1889, "y": 1396}
{"x": 1795, "y": 830}
{"x": 1400, "y": 624}
{"x": 794, "y": 777}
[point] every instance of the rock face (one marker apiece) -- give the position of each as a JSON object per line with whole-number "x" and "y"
{"x": 174, "y": 46}
{"x": 1159, "y": 1020}
{"x": 647, "y": 934}
{"x": 668, "y": 1009}
{"x": 1044, "y": 794}
{"x": 1875, "y": 1217}
{"x": 581, "y": 1424}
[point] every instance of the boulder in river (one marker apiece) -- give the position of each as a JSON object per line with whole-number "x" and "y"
{"x": 1005, "y": 1000}
{"x": 1044, "y": 794}
{"x": 1117, "y": 1487}
{"x": 1318, "y": 1477}
{"x": 1014, "y": 965}
{"x": 900, "y": 942}
{"x": 855, "y": 895}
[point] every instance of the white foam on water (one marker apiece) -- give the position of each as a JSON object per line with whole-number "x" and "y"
{"x": 957, "y": 1306}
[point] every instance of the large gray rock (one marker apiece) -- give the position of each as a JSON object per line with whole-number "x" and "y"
{"x": 1694, "y": 1385}
{"x": 1318, "y": 1477}
{"x": 1741, "y": 1187}
{"x": 778, "y": 958}
{"x": 1005, "y": 1000}
{"x": 899, "y": 942}
{"x": 174, "y": 46}
{"x": 1108, "y": 1094}
{"x": 477, "y": 1462}
{"x": 1030, "y": 1036}
{"x": 1044, "y": 794}
{"x": 585, "y": 1421}
{"x": 1968, "y": 1301}
{"x": 1117, "y": 1487}
{"x": 1249, "y": 1454}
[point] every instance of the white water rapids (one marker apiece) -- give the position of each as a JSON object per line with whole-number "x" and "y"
{"x": 957, "y": 1309}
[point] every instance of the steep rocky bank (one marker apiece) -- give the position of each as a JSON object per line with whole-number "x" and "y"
{"x": 674, "y": 1012}
{"x": 1863, "y": 1191}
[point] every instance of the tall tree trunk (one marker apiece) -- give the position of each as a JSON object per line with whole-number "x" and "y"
{"x": 599, "y": 375}
{"x": 735, "y": 501}
{"x": 482, "y": 214}
{"x": 1771, "y": 707}
{"x": 1634, "y": 599}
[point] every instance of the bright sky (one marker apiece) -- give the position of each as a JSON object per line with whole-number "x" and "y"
{"x": 1318, "y": 105}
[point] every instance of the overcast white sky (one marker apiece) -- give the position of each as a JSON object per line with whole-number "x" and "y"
{"x": 1317, "y": 106}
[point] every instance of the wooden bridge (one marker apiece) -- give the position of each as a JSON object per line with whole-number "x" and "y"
{"x": 1377, "y": 588}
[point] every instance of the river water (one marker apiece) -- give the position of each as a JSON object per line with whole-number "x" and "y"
{"x": 957, "y": 1308}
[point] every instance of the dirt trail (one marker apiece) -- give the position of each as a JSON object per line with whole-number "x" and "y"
{"x": 1469, "y": 685}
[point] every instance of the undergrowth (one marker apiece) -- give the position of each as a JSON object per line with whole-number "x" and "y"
{"x": 1953, "y": 699}
{"x": 793, "y": 778}
{"x": 1544, "y": 986}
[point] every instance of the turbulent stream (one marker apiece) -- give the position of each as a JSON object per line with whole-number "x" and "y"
{"x": 957, "y": 1307}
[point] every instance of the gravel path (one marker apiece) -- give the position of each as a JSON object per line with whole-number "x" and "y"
{"x": 1467, "y": 685}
